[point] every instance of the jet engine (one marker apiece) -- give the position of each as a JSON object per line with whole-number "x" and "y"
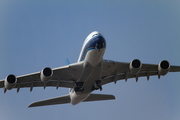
{"x": 163, "y": 67}
{"x": 10, "y": 81}
{"x": 46, "y": 74}
{"x": 135, "y": 66}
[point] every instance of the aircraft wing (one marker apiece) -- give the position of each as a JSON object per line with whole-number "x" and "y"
{"x": 62, "y": 77}
{"x": 113, "y": 71}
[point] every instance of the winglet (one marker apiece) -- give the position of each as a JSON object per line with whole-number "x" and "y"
{"x": 67, "y": 62}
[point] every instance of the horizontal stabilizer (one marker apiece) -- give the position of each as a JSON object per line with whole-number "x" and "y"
{"x": 52, "y": 101}
{"x": 66, "y": 99}
{"x": 97, "y": 97}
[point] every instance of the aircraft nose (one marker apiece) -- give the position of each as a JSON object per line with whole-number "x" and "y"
{"x": 100, "y": 43}
{"x": 99, "y": 46}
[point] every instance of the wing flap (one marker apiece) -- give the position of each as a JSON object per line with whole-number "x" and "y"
{"x": 122, "y": 77}
{"x": 53, "y": 101}
{"x": 98, "y": 97}
{"x": 51, "y": 83}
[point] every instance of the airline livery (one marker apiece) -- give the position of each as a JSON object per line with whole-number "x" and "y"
{"x": 90, "y": 73}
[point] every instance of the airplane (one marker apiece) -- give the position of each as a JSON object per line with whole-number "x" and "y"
{"x": 90, "y": 73}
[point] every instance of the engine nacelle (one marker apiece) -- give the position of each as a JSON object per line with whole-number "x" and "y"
{"x": 46, "y": 74}
{"x": 135, "y": 66}
{"x": 163, "y": 67}
{"x": 10, "y": 81}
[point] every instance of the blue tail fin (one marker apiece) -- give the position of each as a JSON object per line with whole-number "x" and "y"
{"x": 67, "y": 62}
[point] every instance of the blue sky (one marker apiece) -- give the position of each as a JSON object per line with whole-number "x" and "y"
{"x": 39, "y": 33}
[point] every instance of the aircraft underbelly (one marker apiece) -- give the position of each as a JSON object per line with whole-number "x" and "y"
{"x": 92, "y": 63}
{"x": 94, "y": 59}
{"x": 94, "y": 56}
{"x": 78, "y": 97}
{"x": 91, "y": 72}
{"x": 90, "y": 81}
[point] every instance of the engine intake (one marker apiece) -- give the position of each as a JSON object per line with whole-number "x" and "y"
{"x": 10, "y": 81}
{"x": 46, "y": 74}
{"x": 163, "y": 67}
{"x": 135, "y": 66}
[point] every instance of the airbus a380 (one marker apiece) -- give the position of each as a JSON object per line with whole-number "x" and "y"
{"x": 90, "y": 73}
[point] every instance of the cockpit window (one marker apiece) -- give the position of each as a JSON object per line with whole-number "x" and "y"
{"x": 95, "y": 35}
{"x": 99, "y": 46}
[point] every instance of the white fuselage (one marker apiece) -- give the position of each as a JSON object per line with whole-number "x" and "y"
{"x": 92, "y": 54}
